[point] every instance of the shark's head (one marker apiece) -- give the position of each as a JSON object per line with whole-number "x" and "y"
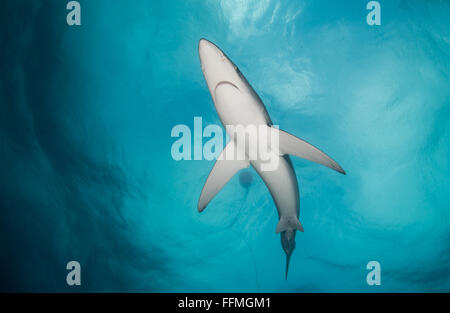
{"x": 288, "y": 244}
{"x": 217, "y": 67}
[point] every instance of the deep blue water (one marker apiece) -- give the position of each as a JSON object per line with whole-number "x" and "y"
{"x": 86, "y": 114}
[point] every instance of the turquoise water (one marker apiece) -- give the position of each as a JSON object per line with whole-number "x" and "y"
{"x": 86, "y": 114}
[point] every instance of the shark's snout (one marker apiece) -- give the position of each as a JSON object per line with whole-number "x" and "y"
{"x": 208, "y": 51}
{"x": 202, "y": 44}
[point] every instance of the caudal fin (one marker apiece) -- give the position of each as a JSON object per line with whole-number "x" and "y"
{"x": 288, "y": 258}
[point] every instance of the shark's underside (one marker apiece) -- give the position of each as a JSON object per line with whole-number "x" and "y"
{"x": 238, "y": 104}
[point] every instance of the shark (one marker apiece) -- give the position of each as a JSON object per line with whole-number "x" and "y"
{"x": 237, "y": 103}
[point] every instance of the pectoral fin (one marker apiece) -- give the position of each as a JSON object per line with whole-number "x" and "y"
{"x": 289, "y": 144}
{"x": 221, "y": 173}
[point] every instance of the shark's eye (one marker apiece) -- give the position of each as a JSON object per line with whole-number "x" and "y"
{"x": 239, "y": 73}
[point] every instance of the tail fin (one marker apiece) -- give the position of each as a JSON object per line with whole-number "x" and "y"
{"x": 288, "y": 222}
{"x": 288, "y": 258}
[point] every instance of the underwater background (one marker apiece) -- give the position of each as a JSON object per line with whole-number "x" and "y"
{"x": 86, "y": 171}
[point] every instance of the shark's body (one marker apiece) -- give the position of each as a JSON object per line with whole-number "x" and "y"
{"x": 238, "y": 104}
